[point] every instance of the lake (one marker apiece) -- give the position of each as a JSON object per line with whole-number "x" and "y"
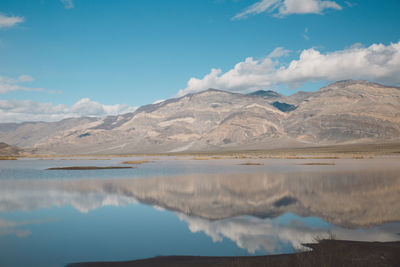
{"x": 183, "y": 206}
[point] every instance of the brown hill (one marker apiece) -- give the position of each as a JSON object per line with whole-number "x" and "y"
{"x": 7, "y": 150}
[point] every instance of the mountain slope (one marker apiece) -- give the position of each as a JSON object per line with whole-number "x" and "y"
{"x": 345, "y": 112}
{"x": 202, "y": 121}
{"x": 214, "y": 120}
{"x": 27, "y": 134}
{"x": 7, "y": 150}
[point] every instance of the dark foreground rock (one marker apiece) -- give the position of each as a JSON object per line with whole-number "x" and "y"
{"x": 86, "y": 168}
{"x": 325, "y": 253}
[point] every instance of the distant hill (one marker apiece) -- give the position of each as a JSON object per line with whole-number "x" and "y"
{"x": 7, "y": 150}
{"x": 345, "y": 112}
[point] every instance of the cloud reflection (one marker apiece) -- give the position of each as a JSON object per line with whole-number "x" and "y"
{"x": 29, "y": 195}
{"x": 269, "y": 235}
{"x": 18, "y": 228}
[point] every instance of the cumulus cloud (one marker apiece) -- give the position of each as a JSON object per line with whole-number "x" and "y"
{"x": 281, "y": 8}
{"x": 28, "y": 110}
{"x": 378, "y": 63}
{"x": 68, "y": 4}
{"x": 10, "y": 21}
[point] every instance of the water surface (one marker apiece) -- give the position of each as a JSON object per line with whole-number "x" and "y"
{"x": 182, "y": 206}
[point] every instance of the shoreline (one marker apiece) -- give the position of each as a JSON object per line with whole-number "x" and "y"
{"x": 328, "y": 252}
{"x": 349, "y": 150}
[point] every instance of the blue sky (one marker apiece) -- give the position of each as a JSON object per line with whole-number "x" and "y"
{"x": 64, "y": 53}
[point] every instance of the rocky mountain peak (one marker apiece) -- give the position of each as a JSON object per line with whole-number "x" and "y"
{"x": 361, "y": 84}
{"x": 268, "y": 94}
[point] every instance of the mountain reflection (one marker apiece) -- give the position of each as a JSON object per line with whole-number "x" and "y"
{"x": 220, "y": 204}
{"x": 347, "y": 199}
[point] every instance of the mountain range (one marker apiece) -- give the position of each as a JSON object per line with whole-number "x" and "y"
{"x": 344, "y": 112}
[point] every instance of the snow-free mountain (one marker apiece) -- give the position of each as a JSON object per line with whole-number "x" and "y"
{"x": 344, "y": 112}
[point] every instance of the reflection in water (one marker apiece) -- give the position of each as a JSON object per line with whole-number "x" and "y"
{"x": 270, "y": 235}
{"x": 10, "y": 227}
{"x": 19, "y": 228}
{"x": 347, "y": 199}
{"x": 266, "y": 212}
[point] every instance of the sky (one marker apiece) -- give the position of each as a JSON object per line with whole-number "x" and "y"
{"x": 70, "y": 58}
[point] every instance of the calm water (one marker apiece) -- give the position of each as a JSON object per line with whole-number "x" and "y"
{"x": 190, "y": 207}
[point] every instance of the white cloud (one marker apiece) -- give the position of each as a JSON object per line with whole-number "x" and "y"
{"x": 280, "y": 8}
{"x": 28, "y": 110}
{"x": 25, "y": 79}
{"x": 6, "y": 87}
{"x": 259, "y": 7}
{"x": 279, "y": 52}
{"x": 8, "y": 84}
{"x": 159, "y": 101}
{"x": 68, "y": 4}
{"x": 378, "y": 63}
{"x": 305, "y": 35}
{"x": 10, "y": 21}
{"x": 350, "y": 4}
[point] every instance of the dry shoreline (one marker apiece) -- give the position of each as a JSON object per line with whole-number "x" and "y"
{"x": 350, "y": 150}
{"x": 324, "y": 253}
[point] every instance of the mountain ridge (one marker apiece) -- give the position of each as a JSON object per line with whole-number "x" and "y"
{"x": 343, "y": 112}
